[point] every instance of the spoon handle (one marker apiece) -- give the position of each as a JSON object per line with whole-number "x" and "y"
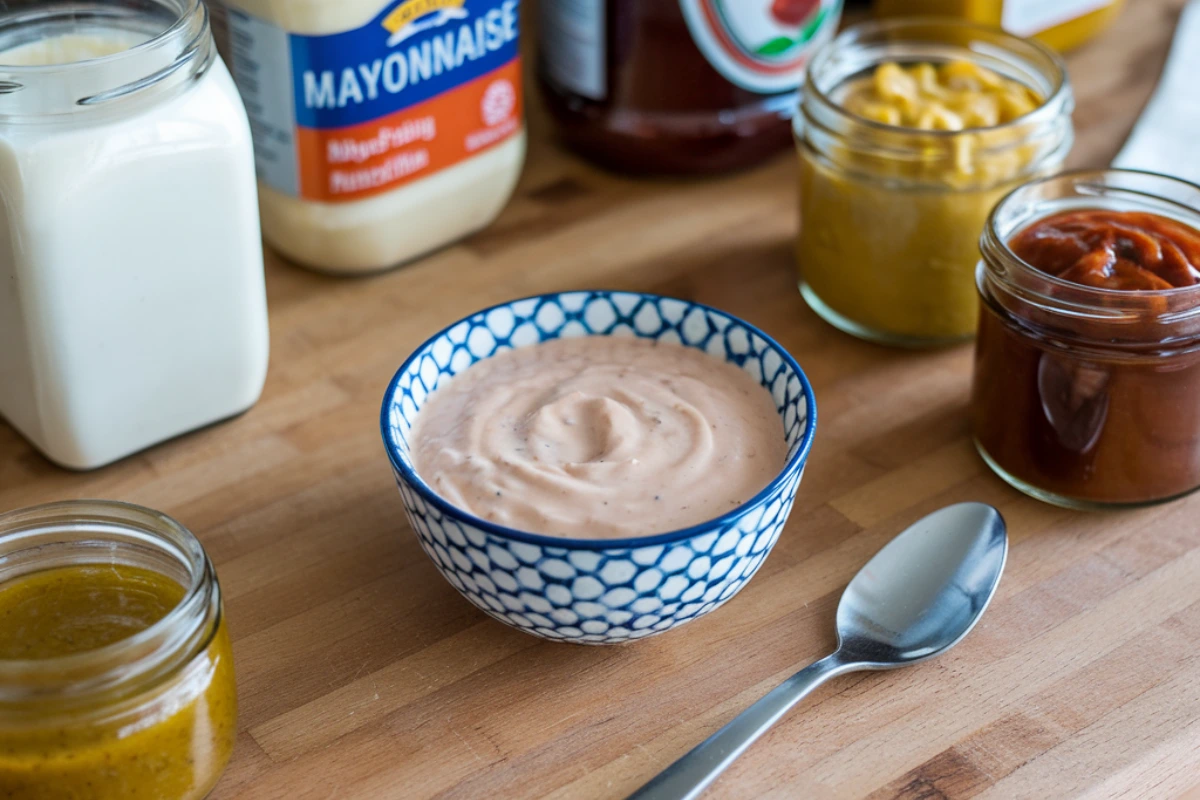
{"x": 693, "y": 772}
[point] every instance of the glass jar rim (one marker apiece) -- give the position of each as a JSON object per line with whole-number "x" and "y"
{"x": 172, "y": 31}
{"x": 180, "y": 49}
{"x": 993, "y": 243}
{"x": 134, "y": 657}
{"x": 1048, "y": 110}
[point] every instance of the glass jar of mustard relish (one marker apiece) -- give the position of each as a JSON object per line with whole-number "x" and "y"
{"x": 116, "y": 676}
{"x": 908, "y": 133}
{"x": 1087, "y": 364}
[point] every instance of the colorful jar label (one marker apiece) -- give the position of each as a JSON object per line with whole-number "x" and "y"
{"x": 343, "y": 116}
{"x": 761, "y": 45}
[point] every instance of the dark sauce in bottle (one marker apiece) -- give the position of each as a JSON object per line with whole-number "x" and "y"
{"x": 677, "y": 86}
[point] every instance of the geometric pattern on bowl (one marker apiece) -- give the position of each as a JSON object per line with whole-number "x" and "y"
{"x": 597, "y": 591}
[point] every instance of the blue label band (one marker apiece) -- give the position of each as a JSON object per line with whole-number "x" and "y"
{"x": 363, "y": 74}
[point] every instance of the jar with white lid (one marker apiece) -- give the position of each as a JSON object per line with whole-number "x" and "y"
{"x": 383, "y": 129}
{"x": 132, "y": 300}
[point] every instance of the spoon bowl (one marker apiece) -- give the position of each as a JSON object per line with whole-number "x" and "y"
{"x": 918, "y": 597}
{"x": 925, "y": 590}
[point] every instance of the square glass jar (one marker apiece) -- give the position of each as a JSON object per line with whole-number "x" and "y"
{"x": 132, "y": 298}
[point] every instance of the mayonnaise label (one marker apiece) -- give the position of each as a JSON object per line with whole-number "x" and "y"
{"x": 343, "y": 116}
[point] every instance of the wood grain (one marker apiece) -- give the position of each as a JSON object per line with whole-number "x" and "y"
{"x": 363, "y": 674}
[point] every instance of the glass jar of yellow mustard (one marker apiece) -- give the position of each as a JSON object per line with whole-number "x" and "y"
{"x": 1062, "y": 24}
{"x": 908, "y": 132}
{"x": 116, "y": 676}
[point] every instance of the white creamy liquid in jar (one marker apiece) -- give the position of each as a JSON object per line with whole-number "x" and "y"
{"x": 132, "y": 301}
{"x": 357, "y": 232}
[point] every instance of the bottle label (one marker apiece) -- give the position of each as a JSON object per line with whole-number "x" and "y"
{"x": 343, "y": 116}
{"x": 571, "y": 36}
{"x": 761, "y": 45}
{"x": 1027, "y": 17}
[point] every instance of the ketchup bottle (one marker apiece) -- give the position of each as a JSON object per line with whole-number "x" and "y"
{"x": 677, "y": 86}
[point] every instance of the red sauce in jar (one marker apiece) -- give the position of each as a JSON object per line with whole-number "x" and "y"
{"x": 1124, "y": 250}
{"x": 1088, "y": 407}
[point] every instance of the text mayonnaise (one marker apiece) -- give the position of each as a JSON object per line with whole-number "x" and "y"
{"x": 383, "y": 129}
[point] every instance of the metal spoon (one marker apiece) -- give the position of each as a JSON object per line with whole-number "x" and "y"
{"x": 918, "y": 597}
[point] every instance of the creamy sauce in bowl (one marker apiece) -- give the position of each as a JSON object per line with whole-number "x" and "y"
{"x": 599, "y": 437}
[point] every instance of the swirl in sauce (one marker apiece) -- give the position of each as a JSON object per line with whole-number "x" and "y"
{"x": 599, "y": 437}
{"x": 1124, "y": 250}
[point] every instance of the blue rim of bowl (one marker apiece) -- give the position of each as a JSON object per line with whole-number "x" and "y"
{"x": 452, "y": 511}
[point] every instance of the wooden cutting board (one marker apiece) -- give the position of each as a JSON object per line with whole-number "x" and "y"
{"x": 362, "y": 673}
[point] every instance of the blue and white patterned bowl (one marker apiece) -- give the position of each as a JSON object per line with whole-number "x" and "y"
{"x": 597, "y": 591}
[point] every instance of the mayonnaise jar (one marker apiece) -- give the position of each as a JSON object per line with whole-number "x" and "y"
{"x": 383, "y": 129}
{"x": 132, "y": 297}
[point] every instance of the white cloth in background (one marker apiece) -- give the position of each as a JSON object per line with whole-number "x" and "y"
{"x": 1166, "y": 138}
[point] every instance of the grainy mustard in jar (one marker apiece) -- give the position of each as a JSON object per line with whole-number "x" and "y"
{"x": 116, "y": 675}
{"x": 908, "y": 133}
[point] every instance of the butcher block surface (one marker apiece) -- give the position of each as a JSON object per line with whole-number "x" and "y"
{"x": 363, "y": 673}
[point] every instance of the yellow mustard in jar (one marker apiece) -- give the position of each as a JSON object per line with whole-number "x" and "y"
{"x": 953, "y": 96}
{"x": 901, "y": 162}
{"x": 116, "y": 677}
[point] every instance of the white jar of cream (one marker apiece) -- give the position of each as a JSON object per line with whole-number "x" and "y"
{"x": 132, "y": 302}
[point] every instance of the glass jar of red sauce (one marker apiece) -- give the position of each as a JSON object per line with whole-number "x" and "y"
{"x": 116, "y": 675}
{"x": 677, "y": 86}
{"x": 1087, "y": 365}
